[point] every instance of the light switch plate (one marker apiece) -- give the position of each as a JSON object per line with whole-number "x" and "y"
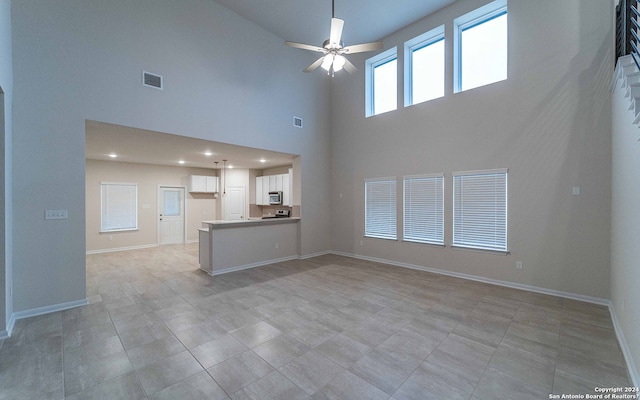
{"x": 55, "y": 214}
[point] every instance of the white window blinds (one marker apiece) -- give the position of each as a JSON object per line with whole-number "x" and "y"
{"x": 480, "y": 210}
{"x": 423, "y": 199}
{"x": 380, "y": 208}
{"x": 119, "y": 206}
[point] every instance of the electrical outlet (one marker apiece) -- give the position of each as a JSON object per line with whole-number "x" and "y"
{"x": 55, "y": 214}
{"x": 110, "y": 237}
{"x": 277, "y": 245}
{"x": 518, "y": 264}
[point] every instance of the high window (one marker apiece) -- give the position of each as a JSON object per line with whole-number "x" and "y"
{"x": 380, "y": 208}
{"x": 119, "y": 206}
{"x": 480, "y": 46}
{"x": 381, "y": 85}
{"x": 424, "y": 67}
{"x": 423, "y": 209}
{"x": 480, "y": 210}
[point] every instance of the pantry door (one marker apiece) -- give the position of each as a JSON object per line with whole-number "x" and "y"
{"x": 172, "y": 215}
{"x": 234, "y": 203}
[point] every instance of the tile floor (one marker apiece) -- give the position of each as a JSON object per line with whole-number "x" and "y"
{"x": 329, "y": 327}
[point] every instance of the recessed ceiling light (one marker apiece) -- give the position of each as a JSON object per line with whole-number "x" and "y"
{"x": 230, "y": 167}
{"x": 262, "y": 160}
{"x": 181, "y": 162}
{"x": 113, "y": 155}
{"x": 208, "y": 153}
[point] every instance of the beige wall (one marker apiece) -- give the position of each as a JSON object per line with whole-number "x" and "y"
{"x": 548, "y": 123}
{"x": 93, "y": 73}
{"x": 199, "y": 206}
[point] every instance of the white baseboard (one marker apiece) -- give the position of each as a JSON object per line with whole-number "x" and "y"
{"x": 624, "y": 346}
{"x": 318, "y": 254}
{"x": 113, "y": 250}
{"x": 49, "y": 309}
{"x": 39, "y": 311}
{"x": 10, "y": 324}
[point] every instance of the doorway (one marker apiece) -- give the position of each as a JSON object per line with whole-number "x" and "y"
{"x": 171, "y": 207}
{"x": 234, "y": 203}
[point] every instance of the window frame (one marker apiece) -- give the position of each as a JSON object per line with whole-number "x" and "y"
{"x": 370, "y": 65}
{"x": 410, "y": 46}
{"x": 462, "y": 240}
{"x": 106, "y": 185}
{"x": 438, "y": 214}
{"x": 469, "y": 20}
{"x": 391, "y": 212}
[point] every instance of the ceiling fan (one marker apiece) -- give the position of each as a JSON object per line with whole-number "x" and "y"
{"x": 333, "y": 51}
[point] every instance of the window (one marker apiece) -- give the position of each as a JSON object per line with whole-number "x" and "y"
{"x": 119, "y": 206}
{"x": 381, "y": 83}
{"x": 424, "y": 209}
{"x": 380, "y": 208}
{"x": 480, "y": 46}
{"x": 480, "y": 210}
{"x": 424, "y": 67}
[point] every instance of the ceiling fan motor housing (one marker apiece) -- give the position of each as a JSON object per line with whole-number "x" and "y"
{"x": 327, "y": 45}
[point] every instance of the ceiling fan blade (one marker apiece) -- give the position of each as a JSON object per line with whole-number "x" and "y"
{"x": 315, "y": 64}
{"x": 305, "y": 46}
{"x": 348, "y": 65}
{"x": 361, "y": 48}
{"x": 336, "y": 30}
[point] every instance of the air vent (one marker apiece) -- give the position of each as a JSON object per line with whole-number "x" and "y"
{"x": 151, "y": 80}
{"x": 297, "y": 122}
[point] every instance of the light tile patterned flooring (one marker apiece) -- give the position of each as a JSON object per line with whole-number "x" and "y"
{"x": 329, "y": 327}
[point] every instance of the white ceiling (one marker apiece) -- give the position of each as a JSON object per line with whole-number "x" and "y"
{"x": 148, "y": 147}
{"x": 308, "y": 21}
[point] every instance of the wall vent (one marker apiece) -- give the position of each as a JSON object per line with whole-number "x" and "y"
{"x": 151, "y": 80}
{"x": 297, "y": 122}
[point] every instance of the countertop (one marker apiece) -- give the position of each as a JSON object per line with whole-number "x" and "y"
{"x": 220, "y": 224}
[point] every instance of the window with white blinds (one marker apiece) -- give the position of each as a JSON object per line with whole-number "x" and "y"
{"x": 380, "y": 208}
{"x": 119, "y": 206}
{"x": 480, "y": 210}
{"x": 423, "y": 210}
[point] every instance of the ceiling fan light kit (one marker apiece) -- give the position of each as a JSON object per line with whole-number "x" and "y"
{"x": 333, "y": 49}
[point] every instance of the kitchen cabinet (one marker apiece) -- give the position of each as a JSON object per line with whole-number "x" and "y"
{"x": 203, "y": 184}
{"x": 274, "y": 183}
{"x": 259, "y": 194}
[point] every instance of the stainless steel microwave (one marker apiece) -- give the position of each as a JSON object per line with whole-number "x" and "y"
{"x": 275, "y": 197}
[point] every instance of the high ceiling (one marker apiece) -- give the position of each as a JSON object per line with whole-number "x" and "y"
{"x": 305, "y": 21}
{"x": 308, "y": 21}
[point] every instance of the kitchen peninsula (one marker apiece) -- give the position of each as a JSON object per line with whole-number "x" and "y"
{"x": 227, "y": 246}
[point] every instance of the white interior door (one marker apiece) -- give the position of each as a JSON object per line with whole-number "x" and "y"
{"x": 171, "y": 206}
{"x": 234, "y": 203}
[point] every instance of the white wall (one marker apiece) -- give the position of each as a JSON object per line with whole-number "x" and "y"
{"x": 6, "y": 83}
{"x": 625, "y": 222}
{"x": 225, "y": 80}
{"x": 548, "y": 123}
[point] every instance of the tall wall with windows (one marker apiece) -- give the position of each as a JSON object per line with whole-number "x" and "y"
{"x": 544, "y": 120}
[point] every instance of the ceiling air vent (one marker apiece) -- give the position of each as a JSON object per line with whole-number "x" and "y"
{"x": 297, "y": 122}
{"x": 151, "y": 80}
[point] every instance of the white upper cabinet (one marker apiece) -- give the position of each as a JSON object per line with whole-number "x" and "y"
{"x": 203, "y": 184}
{"x": 274, "y": 183}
